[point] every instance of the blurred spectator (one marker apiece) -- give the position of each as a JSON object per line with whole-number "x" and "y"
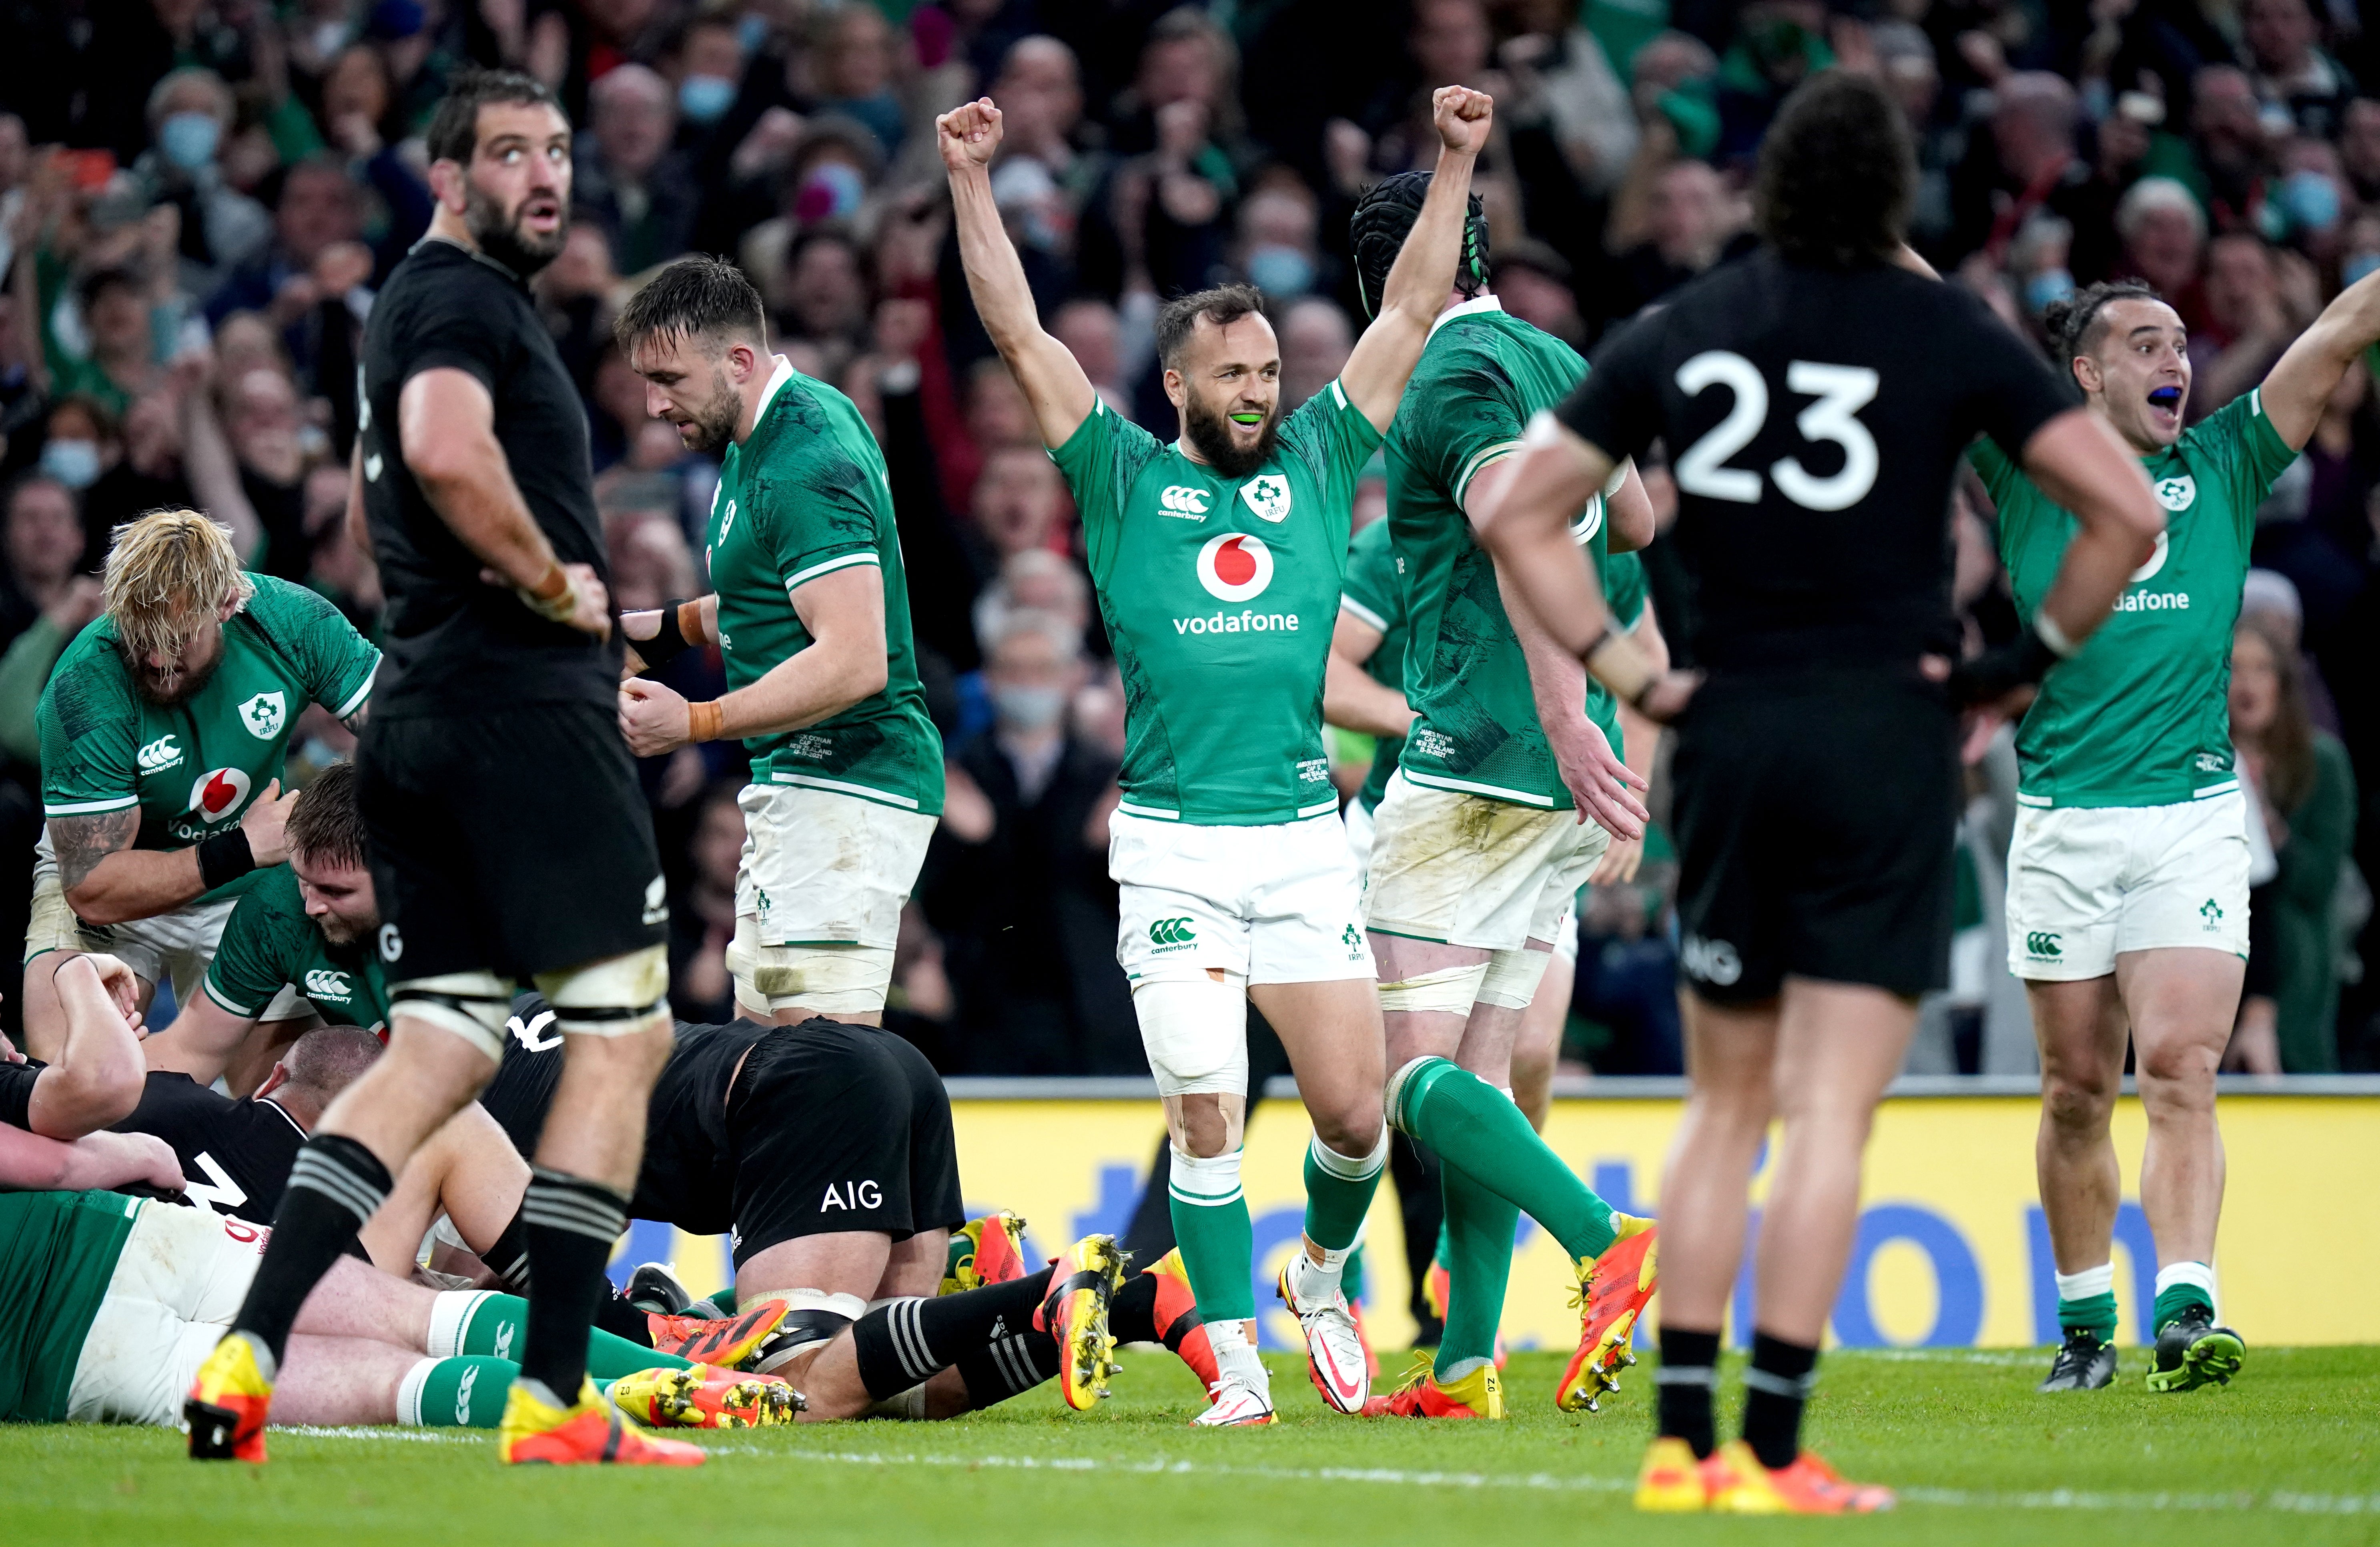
{"x": 2292, "y": 73}
{"x": 2230, "y": 166}
{"x": 338, "y": 567}
{"x": 2306, "y": 795}
{"x": 1093, "y": 333}
{"x": 2163, "y": 230}
{"x": 1035, "y": 579}
{"x": 2256, "y": 302}
{"x": 2359, "y": 148}
{"x": 1018, "y": 501}
{"x": 1689, "y": 218}
{"x": 190, "y": 115}
{"x": 313, "y": 280}
{"x": 702, "y": 916}
{"x": 626, "y": 178}
{"x": 42, "y": 531}
{"x": 855, "y": 58}
{"x": 1533, "y": 283}
{"x": 1316, "y": 338}
{"x": 1019, "y": 887}
{"x": 1277, "y": 248}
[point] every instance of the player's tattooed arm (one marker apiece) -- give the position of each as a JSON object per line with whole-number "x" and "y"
{"x": 109, "y": 882}
{"x": 83, "y": 841}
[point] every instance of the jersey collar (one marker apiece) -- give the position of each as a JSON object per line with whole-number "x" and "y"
{"x": 472, "y": 253}
{"x": 1477, "y": 306}
{"x": 777, "y": 380}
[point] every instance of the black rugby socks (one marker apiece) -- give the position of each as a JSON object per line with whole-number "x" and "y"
{"x": 1776, "y": 1389}
{"x": 905, "y": 1342}
{"x": 1688, "y": 1372}
{"x": 571, "y": 1226}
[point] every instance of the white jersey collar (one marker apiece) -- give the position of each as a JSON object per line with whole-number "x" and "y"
{"x": 1477, "y": 306}
{"x": 777, "y": 380}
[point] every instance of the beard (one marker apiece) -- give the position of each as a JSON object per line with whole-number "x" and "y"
{"x": 171, "y": 689}
{"x": 339, "y": 932}
{"x": 1211, "y": 434}
{"x": 504, "y": 239}
{"x": 714, "y": 421}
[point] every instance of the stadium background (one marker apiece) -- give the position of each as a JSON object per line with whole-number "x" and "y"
{"x": 197, "y": 198}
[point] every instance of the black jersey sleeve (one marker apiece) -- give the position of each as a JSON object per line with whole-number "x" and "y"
{"x": 451, "y": 336}
{"x": 1618, "y": 407}
{"x": 16, "y": 1082}
{"x": 2011, "y": 391}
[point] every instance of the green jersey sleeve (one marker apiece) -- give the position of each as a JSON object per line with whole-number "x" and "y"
{"x": 1624, "y": 588}
{"x": 1369, "y": 591}
{"x": 820, "y": 509}
{"x": 261, "y": 947}
{"x": 335, "y": 661}
{"x": 2243, "y": 442}
{"x": 1099, "y": 462}
{"x": 89, "y": 727}
{"x": 1334, "y": 440}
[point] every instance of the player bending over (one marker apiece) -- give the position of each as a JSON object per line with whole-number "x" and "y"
{"x": 2128, "y": 873}
{"x": 1218, "y": 562}
{"x": 1814, "y": 432}
{"x": 163, "y": 730}
{"x": 811, "y": 615}
{"x": 1507, "y": 794}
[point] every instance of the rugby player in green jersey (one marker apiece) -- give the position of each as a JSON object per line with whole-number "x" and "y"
{"x": 164, "y": 731}
{"x": 1508, "y": 793}
{"x": 1218, "y": 562}
{"x": 811, "y": 612}
{"x": 2128, "y": 873}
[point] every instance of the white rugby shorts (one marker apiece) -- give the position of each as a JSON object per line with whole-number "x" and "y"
{"x": 1279, "y": 903}
{"x": 176, "y": 1289}
{"x": 1468, "y": 871}
{"x": 2087, "y": 884}
{"x": 825, "y": 869}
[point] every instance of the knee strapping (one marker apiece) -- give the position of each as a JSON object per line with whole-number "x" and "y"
{"x": 1450, "y": 988}
{"x": 473, "y": 1005}
{"x": 1204, "y": 1181}
{"x": 1392, "y": 1098}
{"x": 812, "y": 1317}
{"x": 619, "y": 996}
{"x": 1195, "y": 1032}
{"x": 834, "y": 979}
{"x": 1512, "y": 978}
{"x": 1351, "y": 1168}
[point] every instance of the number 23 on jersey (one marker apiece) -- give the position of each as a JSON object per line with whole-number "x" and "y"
{"x": 1841, "y": 391}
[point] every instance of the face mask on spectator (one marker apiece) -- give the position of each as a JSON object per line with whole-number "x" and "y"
{"x": 72, "y": 463}
{"x": 1281, "y": 272}
{"x": 829, "y": 192}
{"x": 704, "y": 99}
{"x": 2355, "y": 265}
{"x": 2045, "y": 288}
{"x": 1030, "y": 709}
{"x": 752, "y": 31}
{"x": 188, "y": 139}
{"x": 2312, "y": 200}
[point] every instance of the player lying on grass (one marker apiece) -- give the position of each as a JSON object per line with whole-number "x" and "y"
{"x": 52, "y": 1116}
{"x": 2127, "y": 870}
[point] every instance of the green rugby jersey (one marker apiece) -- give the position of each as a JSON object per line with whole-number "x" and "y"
{"x": 805, "y": 495}
{"x": 2139, "y": 716}
{"x": 269, "y": 940}
{"x": 1371, "y": 592}
{"x": 194, "y": 768}
{"x": 57, "y": 1251}
{"x": 1219, "y": 595}
{"x": 1481, "y": 377}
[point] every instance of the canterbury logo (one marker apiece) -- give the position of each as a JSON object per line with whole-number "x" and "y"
{"x": 463, "y": 1396}
{"x": 2041, "y": 943}
{"x": 1181, "y": 500}
{"x": 1172, "y": 932}
{"x": 326, "y": 983}
{"x": 160, "y": 754}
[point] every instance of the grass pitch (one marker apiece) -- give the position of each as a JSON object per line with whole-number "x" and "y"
{"x": 2289, "y": 1452}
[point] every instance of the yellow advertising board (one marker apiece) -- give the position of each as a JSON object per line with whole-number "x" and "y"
{"x": 1952, "y": 1251}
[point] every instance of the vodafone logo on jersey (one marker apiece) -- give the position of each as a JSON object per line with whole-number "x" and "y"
{"x": 1235, "y": 566}
{"x": 218, "y": 793}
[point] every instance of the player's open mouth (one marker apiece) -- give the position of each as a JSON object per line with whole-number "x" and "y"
{"x": 1248, "y": 418}
{"x": 2166, "y": 399}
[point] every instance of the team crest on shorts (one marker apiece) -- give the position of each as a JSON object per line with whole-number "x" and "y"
{"x": 1268, "y": 495}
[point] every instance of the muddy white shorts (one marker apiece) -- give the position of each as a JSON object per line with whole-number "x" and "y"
{"x": 1468, "y": 871}
{"x": 1279, "y": 903}
{"x": 824, "y": 869}
{"x": 176, "y": 1289}
{"x": 2086, "y": 884}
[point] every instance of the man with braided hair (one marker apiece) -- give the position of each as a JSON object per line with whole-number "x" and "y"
{"x": 1507, "y": 794}
{"x": 164, "y": 731}
{"x": 2128, "y": 873}
{"x": 1217, "y": 561}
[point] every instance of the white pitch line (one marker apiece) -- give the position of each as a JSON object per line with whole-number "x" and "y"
{"x": 1952, "y": 1498}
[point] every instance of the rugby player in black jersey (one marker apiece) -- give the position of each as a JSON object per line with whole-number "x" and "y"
{"x": 493, "y": 780}
{"x": 1814, "y": 398}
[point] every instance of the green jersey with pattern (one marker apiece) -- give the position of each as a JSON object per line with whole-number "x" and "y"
{"x": 193, "y": 768}
{"x": 1482, "y": 376}
{"x": 1370, "y": 592}
{"x": 269, "y": 942}
{"x": 805, "y": 495}
{"x": 58, "y": 1252}
{"x": 1219, "y": 594}
{"x": 2139, "y": 716}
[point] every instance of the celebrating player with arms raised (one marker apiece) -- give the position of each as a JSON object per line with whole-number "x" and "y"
{"x": 1477, "y": 850}
{"x": 811, "y": 615}
{"x": 2128, "y": 874}
{"x": 1218, "y": 562}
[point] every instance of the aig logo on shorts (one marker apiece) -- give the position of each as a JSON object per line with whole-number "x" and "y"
{"x": 1171, "y": 934}
{"x": 2042, "y": 946}
{"x": 1712, "y": 961}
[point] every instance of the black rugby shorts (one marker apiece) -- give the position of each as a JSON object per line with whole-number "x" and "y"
{"x": 514, "y": 841}
{"x": 1815, "y": 814}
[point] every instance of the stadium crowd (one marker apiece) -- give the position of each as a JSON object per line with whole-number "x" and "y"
{"x": 198, "y": 197}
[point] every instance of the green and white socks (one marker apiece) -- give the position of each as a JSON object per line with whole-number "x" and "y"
{"x": 2086, "y": 1302}
{"x": 466, "y": 1391}
{"x": 475, "y": 1321}
{"x": 1475, "y": 1128}
{"x": 1339, "y": 1191}
{"x": 2181, "y": 1287}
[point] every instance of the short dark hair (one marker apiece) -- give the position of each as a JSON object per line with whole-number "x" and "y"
{"x": 1222, "y": 306}
{"x": 326, "y": 1060}
{"x": 327, "y": 824}
{"x": 1385, "y": 215}
{"x": 454, "y": 128}
{"x": 695, "y": 295}
{"x": 1837, "y": 172}
{"x": 2075, "y": 325}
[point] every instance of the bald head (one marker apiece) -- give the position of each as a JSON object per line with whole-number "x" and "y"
{"x": 326, "y": 1060}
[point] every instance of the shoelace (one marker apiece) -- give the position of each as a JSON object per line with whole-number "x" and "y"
{"x": 1422, "y": 1369}
{"x": 1581, "y": 1297}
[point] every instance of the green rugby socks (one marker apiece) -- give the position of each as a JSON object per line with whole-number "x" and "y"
{"x": 1478, "y": 1246}
{"x": 466, "y": 1391}
{"x": 473, "y": 1321}
{"x": 1211, "y": 1225}
{"x": 2179, "y": 1287}
{"x": 2086, "y": 1302}
{"x": 1475, "y": 1128}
